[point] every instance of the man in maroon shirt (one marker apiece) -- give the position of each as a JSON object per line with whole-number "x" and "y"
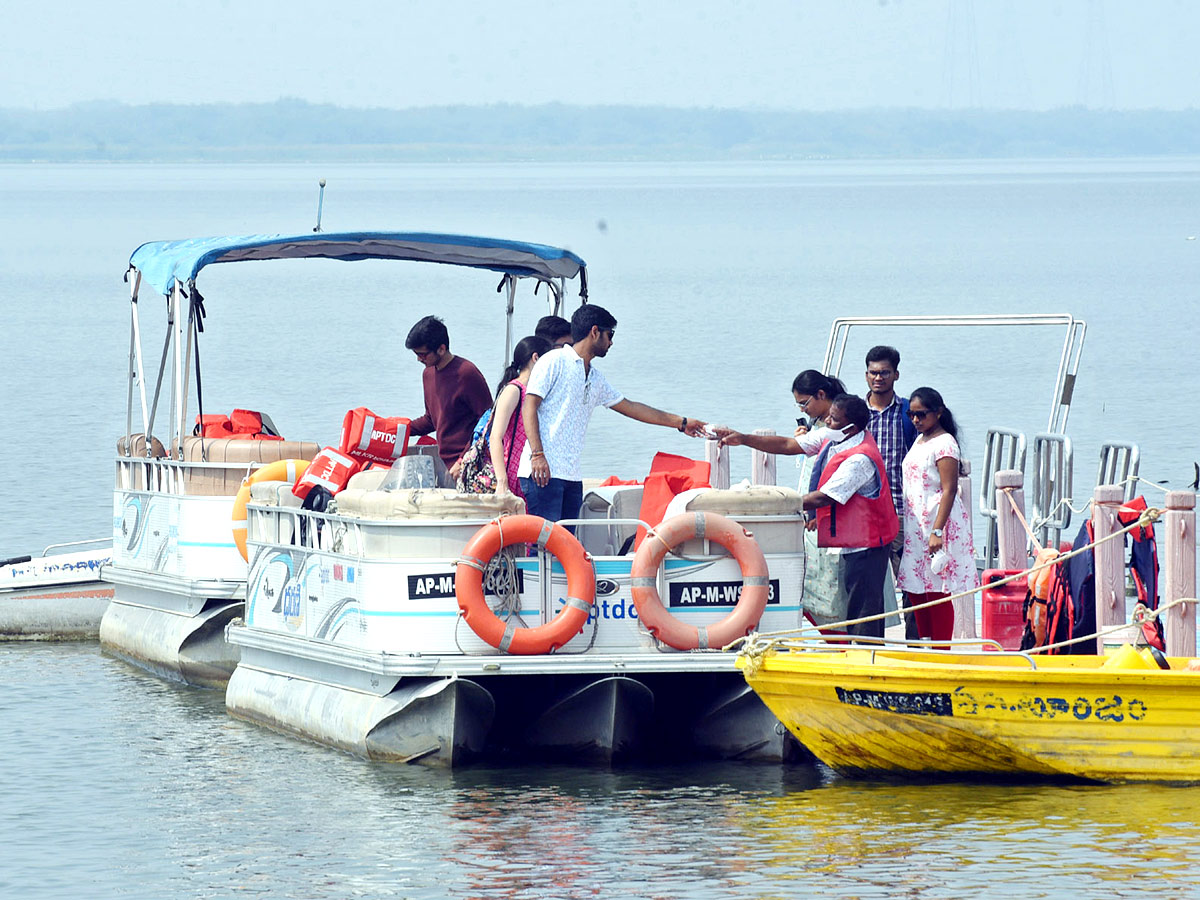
{"x": 456, "y": 394}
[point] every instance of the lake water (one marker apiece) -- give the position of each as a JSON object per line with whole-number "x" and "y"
{"x": 725, "y": 279}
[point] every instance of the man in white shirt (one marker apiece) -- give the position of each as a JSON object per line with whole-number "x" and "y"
{"x": 563, "y": 391}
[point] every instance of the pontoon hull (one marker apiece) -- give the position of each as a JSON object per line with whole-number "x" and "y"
{"x": 158, "y": 632}
{"x": 440, "y": 722}
{"x": 445, "y": 711}
{"x": 54, "y": 613}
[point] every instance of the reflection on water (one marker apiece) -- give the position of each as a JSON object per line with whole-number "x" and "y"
{"x": 117, "y": 784}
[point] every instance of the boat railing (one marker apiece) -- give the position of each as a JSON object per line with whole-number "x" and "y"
{"x": 1053, "y": 465}
{"x": 836, "y": 643}
{"x": 1119, "y": 464}
{"x": 1005, "y": 451}
{"x": 70, "y": 545}
{"x": 179, "y": 477}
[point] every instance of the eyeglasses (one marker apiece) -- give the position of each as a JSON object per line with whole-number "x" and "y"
{"x": 803, "y": 404}
{"x": 885, "y": 373}
{"x": 919, "y": 413}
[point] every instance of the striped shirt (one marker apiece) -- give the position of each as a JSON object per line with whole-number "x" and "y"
{"x": 887, "y": 427}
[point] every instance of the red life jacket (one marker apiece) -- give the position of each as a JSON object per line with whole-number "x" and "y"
{"x": 860, "y": 521}
{"x": 329, "y": 469}
{"x": 371, "y": 438}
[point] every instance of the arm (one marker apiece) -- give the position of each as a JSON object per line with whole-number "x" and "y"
{"x": 769, "y": 443}
{"x": 651, "y": 416}
{"x": 539, "y": 468}
{"x": 506, "y": 408}
{"x": 815, "y": 499}
{"x": 947, "y": 468}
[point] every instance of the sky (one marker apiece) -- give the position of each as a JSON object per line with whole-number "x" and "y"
{"x": 773, "y": 54}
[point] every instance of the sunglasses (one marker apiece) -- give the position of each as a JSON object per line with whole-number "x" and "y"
{"x": 919, "y": 413}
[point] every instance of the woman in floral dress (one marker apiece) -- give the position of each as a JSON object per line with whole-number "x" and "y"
{"x": 936, "y": 524}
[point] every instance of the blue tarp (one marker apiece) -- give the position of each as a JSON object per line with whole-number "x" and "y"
{"x": 162, "y": 262}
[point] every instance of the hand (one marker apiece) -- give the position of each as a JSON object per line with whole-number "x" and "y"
{"x": 502, "y": 486}
{"x": 695, "y": 428}
{"x": 454, "y": 470}
{"x": 800, "y": 431}
{"x": 540, "y": 470}
{"x": 935, "y": 544}
{"x": 727, "y": 436}
{"x": 810, "y": 525}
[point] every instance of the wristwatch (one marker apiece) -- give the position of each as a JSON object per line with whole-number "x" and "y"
{"x": 937, "y": 532}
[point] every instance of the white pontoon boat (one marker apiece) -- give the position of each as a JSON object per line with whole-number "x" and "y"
{"x": 347, "y": 626}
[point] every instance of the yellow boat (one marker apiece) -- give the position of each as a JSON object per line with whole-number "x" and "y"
{"x": 897, "y": 712}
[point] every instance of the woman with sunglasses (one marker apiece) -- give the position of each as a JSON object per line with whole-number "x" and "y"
{"x": 939, "y": 551}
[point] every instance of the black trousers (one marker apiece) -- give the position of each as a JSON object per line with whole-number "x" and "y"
{"x": 865, "y": 573}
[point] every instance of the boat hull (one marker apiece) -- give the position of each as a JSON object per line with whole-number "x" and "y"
{"x": 604, "y": 710}
{"x": 867, "y": 713}
{"x": 178, "y": 635}
{"x": 55, "y": 612}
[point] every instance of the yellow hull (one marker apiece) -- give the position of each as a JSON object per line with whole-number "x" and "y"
{"x": 871, "y": 712}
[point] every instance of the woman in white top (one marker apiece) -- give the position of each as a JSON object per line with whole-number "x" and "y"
{"x": 939, "y": 551}
{"x": 824, "y": 598}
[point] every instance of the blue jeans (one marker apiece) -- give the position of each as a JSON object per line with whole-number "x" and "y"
{"x": 559, "y": 499}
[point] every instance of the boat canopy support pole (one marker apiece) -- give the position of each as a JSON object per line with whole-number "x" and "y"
{"x": 511, "y": 283}
{"x": 178, "y": 397}
{"x": 131, "y": 374}
{"x": 139, "y": 371}
{"x": 162, "y": 368}
{"x": 187, "y": 362}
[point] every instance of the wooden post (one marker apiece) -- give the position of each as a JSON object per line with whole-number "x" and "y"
{"x": 1011, "y": 538}
{"x": 1179, "y": 551}
{"x": 964, "y": 607}
{"x": 1110, "y": 558}
{"x": 718, "y": 458}
{"x": 762, "y": 465}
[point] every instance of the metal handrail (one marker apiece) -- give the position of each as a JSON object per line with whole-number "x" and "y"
{"x": 1068, "y": 363}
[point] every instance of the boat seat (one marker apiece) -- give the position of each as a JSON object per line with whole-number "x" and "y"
{"x": 436, "y": 503}
{"x": 755, "y": 500}
{"x": 773, "y": 515}
{"x": 601, "y": 504}
{"x": 239, "y": 454}
{"x": 135, "y": 445}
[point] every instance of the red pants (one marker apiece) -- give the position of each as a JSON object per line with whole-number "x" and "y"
{"x": 934, "y": 623}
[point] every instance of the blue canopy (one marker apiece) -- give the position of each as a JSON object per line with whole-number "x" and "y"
{"x": 161, "y": 263}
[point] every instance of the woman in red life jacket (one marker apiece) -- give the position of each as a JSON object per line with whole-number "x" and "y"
{"x": 506, "y": 431}
{"x": 939, "y": 551}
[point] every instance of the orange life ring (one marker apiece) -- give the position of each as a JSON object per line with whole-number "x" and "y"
{"x": 288, "y": 470}
{"x": 507, "y": 636}
{"x": 734, "y": 538}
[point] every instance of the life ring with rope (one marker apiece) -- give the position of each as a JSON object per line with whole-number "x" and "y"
{"x": 733, "y": 537}
{"x": 507, "y": 636}
{"x": 289, "y": 470}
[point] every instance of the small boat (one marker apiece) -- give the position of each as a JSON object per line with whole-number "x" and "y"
{"x": 898, "y": 712}
{"x": 57, "y": 595}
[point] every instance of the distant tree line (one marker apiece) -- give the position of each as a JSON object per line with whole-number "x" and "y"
{"x": 297, "y": 130}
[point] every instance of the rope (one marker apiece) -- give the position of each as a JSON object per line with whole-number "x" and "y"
{"x": 1148, "y": 517}
{"x": 1008, "y": 492}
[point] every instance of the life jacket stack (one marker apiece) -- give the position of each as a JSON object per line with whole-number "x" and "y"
{"x": 1071, "y": 600}
{"x": 243, "y": 424}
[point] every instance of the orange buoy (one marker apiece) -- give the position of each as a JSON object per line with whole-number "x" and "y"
{"x": 288, "y": 470}
{"x": 508, "y": 637}
{"x": 734, "y": 538}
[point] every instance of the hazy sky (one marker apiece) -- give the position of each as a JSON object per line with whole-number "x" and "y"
{"x": 787, "y": 54}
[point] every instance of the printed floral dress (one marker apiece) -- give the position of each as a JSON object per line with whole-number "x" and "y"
{"x": 922, "y": 494}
